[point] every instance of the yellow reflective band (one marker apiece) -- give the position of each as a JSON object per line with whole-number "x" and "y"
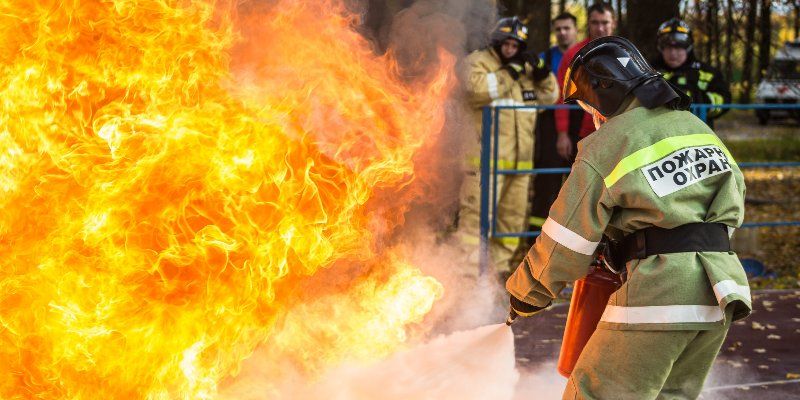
{"x": 508, "y": 240}
{"x": 505, "y": 29}
{"x": 536, "y": 221}
{"x": 502, "y": 164}
{"x": 682, "y": 29}
{"x": 715, "y": 98}
{"x": 706, "y": 76}
{"x": 660, "y": 149}
{"x": 525, "y": 165}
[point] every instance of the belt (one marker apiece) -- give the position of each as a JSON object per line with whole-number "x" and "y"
{"x": 700, "y": 236}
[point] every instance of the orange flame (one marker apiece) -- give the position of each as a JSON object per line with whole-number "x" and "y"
{"x": 177, "y": 178}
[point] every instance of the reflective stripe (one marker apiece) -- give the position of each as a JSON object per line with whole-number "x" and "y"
{"x": 658, "y": 150}
{"x": 568, "y": 238}
{"x": 730, "y": 231}
{"x": 503, "y": 164}
{"x": 507, "y": 102}
{"x": 728, "y": 287}
{"x": 662, "y": 314}
{"x": 715, "y": 98}
{"x": 536, "y": 221}
{"x": 491, "y": 82}
{"x": 508, "y": 240}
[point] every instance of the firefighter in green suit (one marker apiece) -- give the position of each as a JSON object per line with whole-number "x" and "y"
{"x": 656, "y": 180}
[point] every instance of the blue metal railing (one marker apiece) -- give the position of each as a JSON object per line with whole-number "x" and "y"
{"x": 489, "y": 168}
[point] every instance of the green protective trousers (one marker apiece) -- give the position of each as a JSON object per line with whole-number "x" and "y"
{"x": 641, "y": 365}
{"x": 512, "y": 203}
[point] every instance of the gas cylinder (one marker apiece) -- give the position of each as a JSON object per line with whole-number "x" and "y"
{"x": 589, "y": 298}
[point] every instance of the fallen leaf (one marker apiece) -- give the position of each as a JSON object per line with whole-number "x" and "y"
{"x": 760, "y": 351}
{"x": 773, "y": 337}
{"x": 755, "y": 325}
{"x": 792, "y": 375}
{"x": 796, "y": 319}
{"x": 734, "y": 364}
{"x": 767, "y": 303}
{"x": 771, "y": 327}
{"x": 762, "y": 366}
{"x": 773, "y": 359}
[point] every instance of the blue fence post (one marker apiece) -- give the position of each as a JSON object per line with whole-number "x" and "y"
{"x": 486, "y": 147}
{"x": 703, "y": 112}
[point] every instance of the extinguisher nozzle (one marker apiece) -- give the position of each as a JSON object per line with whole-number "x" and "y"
{"x": 512, "y": 315}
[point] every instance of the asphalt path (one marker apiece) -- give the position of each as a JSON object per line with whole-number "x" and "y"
{"x": 760, "y": 358}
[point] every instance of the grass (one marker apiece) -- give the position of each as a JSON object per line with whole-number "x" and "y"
{"x": 783, "y": 148}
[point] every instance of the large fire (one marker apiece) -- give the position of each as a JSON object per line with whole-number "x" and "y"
{"x": 182, "y": 182}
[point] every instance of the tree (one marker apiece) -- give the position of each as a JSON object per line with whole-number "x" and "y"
{"x": 765, "y": 42}
{"x": 750, "y": 38}
{"x": 644, "y": 17}
{"x": 729, "y": 38}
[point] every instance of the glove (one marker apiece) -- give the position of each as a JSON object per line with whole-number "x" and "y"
{"x": 540, "y": 70}
{"x": 524, "y": 309}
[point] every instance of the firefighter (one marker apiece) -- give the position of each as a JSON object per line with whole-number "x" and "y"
{"x": 658, "y": 180}
{"x": 676, "y": 61}
{"x": 504, "y": 74}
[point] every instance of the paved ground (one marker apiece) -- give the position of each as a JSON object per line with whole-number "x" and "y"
{"x": 759, "y": 360}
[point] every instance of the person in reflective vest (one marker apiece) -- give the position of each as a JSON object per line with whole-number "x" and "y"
{"x": 504, "y": 74}
{"x": 658, "y": 180}
{"x": 676, "y": 61}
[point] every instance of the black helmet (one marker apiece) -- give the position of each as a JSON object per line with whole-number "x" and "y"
{"x": 510, "y": 28}
{"x": 606, "y": 70}
{"x": 674, "y": 33}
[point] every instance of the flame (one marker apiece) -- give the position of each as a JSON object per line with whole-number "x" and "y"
{"x": 182, "y": 182}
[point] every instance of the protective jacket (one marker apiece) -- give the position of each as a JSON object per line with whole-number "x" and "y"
{"x": 488, "y": 84}
{"x": 702, "y": 82}
{"x": 666, "y": 168}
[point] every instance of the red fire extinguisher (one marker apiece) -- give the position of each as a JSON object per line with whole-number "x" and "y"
{"x": 589, "y": 298}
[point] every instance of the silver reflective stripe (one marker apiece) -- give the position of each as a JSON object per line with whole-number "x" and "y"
{"x": 662, "y": 314}
{"x": 491, "y": 81}
{"x": 730, "y": 231}
{"x": 728, "y": 287}
{"x": 511, "y": 102}
{"x": 568, "y": 238}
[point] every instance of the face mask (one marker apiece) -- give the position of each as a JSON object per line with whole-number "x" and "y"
{"x": 597, "y": 118}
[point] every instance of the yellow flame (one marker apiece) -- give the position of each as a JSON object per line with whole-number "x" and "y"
{"x": 178, "y": 177}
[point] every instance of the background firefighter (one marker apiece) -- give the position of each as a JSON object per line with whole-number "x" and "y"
{"x": 676, "y": 61}
{"x": 671, "y": 192}
{"x": 503, "y": 74}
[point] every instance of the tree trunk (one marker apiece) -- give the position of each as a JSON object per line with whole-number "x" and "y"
{"x": 765, "y": 42}
{"x": 749, "y": 44}
{"x": 538, "y": 16}
{"x": 716, "y": 44}
{"x": 562, "y": 6}
{"x": 643, "y": 19}
{"x": 621, "y": 31}
{"x": 698, "y": 26}
{"x": 729, "y": 40}
{"x": 797, "y": 20}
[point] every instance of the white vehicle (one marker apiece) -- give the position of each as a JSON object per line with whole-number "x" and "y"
{"x": 781, "y": 85}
